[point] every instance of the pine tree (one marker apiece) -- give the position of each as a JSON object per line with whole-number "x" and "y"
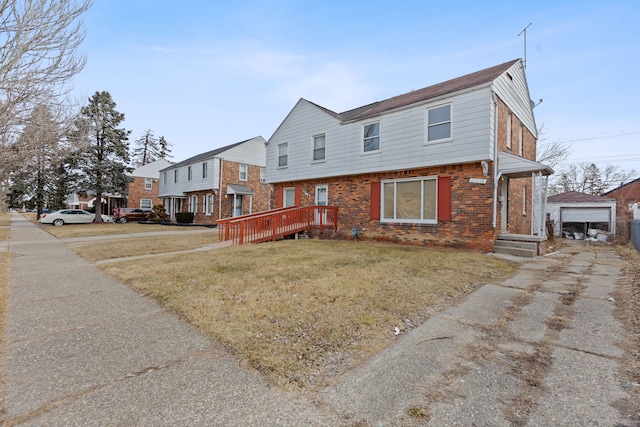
{"x": 102, "y": 163}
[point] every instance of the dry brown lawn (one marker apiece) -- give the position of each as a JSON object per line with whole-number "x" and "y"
{"x": 121, "y": 248}
{"x": 108, "y": 228}
{"x": 303, "y": 311}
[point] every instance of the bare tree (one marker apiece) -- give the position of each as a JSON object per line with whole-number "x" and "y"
{"x": 588, "y": 178}
{"x": 38, "y": 57}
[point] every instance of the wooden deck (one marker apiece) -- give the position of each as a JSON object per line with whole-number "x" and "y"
{"x": 276, "y": 224}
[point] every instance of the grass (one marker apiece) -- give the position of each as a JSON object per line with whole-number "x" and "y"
{"x": 120, "y": 248}
{"x": 105, "y": 229}
{"x": 301, "y": 312}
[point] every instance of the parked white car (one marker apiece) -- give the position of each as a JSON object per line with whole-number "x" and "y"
{"x": 70, "y": 216}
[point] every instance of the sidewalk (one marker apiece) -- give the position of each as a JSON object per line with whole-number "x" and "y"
{"x": 81, "y": 348}
{"x": 538, "y": 349}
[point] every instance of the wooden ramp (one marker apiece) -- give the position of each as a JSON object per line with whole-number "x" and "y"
{"x": 276, "y": 224}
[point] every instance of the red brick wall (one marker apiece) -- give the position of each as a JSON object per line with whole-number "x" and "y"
{"x": 471, "y": 208}
{"x": 517, "y": 222}
{"x": 137, "y": 192}
{"x": 223, "y": 204}
{"x": 629, "y": 194}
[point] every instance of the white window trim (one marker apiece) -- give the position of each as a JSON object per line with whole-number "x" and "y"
{"x": 313, "y": 148}
{"x": 150, "y": 182}
{"x": 366, "y": 153}
{"x": 193, "y": 204}
{"x": 509, "y": 130}
{"x": 208, "y": 207}
{"x": 520, "y": 138}
{"x": 246, "y": 172}
{"x": 145, "y": 207}
{"x": 284, "y": 196}
{"x": 284, "y": 144}
{"x": 326, "y": 188}
{"x": 426, "y": 124}
{"x": 408, "y": 221}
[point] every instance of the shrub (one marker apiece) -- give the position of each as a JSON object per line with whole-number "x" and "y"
{"x": 184, "y": 217}
{"x": 158, "y": 214}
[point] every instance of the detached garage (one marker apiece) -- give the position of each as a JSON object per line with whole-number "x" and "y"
{"x": 574, "y": 214}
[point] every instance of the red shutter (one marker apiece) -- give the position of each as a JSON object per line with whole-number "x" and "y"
{"x": 296, "y": 196}
{"x": 375, "y": 200}
{"x": 279, "y": 198}
{"x": 444, "y": 198}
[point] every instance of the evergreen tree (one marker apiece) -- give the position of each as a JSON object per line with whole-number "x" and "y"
{"x": 101, "y": 165}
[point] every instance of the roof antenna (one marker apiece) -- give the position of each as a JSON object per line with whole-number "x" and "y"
{"x": 525, "y": 44}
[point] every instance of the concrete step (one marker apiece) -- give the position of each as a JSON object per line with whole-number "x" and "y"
{"x": 519, "y": 245}
{"x": 530, "y": 253}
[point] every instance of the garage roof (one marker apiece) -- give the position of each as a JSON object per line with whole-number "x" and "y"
{"x": 577, "y": 197}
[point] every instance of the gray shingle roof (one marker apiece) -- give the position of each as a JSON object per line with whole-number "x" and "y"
{"x": 464, "y": 82}
{"x": 576, "y": 197}
{"x": 204, "y": 156}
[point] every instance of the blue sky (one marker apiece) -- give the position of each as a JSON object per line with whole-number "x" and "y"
{"x": 205, "y": 74}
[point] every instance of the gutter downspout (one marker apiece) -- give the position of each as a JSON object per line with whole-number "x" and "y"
{"x": 220, "y": 190}
{"x": 496, "y": 175}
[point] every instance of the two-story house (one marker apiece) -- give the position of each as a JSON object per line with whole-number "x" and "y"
{"x": 451, "y": 164}
{"x": 222, "y": 183}
{"x": 144, "y": 185}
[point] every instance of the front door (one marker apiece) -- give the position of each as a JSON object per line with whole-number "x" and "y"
{"x": 237, "y": 205}
{"x": 321, "y": 200}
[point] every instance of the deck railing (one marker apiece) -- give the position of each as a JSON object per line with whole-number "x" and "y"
{"x": 277, "y": 223}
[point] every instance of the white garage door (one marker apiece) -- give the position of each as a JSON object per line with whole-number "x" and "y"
{"x": 585, "y": 214}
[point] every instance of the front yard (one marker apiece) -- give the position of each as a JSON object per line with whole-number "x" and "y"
{"x": 303, "y": 311}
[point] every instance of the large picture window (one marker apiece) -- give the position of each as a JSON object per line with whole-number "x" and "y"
{"x": 412, "y": 200}
{"x": 371, "y": 137}
{"x": 439, "y": 123}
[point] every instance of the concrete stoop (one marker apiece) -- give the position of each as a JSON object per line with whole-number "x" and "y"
{"x": 518, "y": 245}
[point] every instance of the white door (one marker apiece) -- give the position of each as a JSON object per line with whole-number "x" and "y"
{"x": 237, "y": 205}
{"x": 322, "y": 197}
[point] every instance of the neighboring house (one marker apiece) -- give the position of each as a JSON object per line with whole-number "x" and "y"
{"x": 574, "y": 212}
{"x": 451, "y": 164}
{"x": 218, "y": 184}
{"x": 628, "y": 197}
{"x": 144, "y": 188}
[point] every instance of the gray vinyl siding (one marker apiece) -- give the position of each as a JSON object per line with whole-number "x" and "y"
{"x": 251, "y": 152}
{"x": 402, "y": 139}
{"x": 515, "y": 94}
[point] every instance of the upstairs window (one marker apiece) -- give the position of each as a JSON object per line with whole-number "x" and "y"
{"x": 164, "y": 178}
{"x": 175, "y": 175}
{"x": 148, "y": 183}
{"x": 283, "y": 155}
{"x": 189, "y": 174}
{"x": 439, "y": 123}
{"x": 371, "y": 137}
{"x": 318, "y": 147}
{"x": 204, "y": 170}
{"x": 263, "y": 174}
{"x": 244, "y": 172}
